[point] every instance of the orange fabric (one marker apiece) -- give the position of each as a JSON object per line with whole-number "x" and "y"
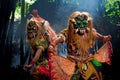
{"x": 104, "y": 53}
{"x": 61, "y": 68}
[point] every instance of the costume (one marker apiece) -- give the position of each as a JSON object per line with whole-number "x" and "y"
{"x": 80, "y": 36}
{"x": 39, "y": 34}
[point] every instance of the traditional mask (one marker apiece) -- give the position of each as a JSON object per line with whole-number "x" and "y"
{"x": 80, "y": 22}
{"x": 32, "y": 29}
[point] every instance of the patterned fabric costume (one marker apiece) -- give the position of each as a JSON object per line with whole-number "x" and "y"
{"x": 37, "y": 42}
{"x": 39, "y": 35}
{"x": 80, "y": 36}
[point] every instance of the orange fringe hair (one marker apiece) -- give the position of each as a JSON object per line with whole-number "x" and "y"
{"x": 87, "y": 40}
{"x": 40, "y": 30}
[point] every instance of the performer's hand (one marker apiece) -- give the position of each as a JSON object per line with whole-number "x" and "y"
{"x": 107, "y": 38}
{"x": 51, "y": 49}
{"x": 28, "y": 67}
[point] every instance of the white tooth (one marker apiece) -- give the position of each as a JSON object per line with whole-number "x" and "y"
{"x": 88, "y": 29}
{"x": 73, "y": 20}
{"x": 80, "y": 31}
{"x": 76, "y": 30}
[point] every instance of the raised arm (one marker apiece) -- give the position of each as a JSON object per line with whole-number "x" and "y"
{"x": 104, "y": 38}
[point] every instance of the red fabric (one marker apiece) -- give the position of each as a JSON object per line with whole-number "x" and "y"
{"x": 110, "y": 50}
{"x": 44, "y": 70}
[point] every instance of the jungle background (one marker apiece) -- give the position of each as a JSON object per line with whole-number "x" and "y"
{"x": 15, "y": 52}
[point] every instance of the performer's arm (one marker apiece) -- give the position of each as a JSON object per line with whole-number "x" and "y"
{"x": 37, "y": 55}
{"x": 35, "y": 59}
{"x": 62, "y": 37}
{"x": 104, "y": 38}
{"x": 57, "y": 40}
{"x": 53, "y": 44}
